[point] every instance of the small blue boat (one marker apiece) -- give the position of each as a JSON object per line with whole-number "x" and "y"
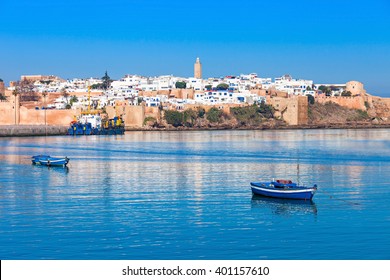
{"x": 49, "y": 161}
{"x": 283, "y": 189}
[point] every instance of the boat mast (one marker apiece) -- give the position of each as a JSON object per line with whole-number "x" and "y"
{"x": 298, "y": 179}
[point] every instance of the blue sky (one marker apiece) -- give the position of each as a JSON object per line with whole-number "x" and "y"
{"x": 326, "y": 41}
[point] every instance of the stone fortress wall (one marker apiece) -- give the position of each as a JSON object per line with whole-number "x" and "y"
{"x": 293, "y": 109}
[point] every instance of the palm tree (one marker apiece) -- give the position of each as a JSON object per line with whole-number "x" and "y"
{"x": 65, "y": 94}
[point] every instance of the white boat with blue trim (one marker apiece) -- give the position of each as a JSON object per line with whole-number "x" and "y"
{"x": 283, "y": 189}
{"x": 49, "y": 160}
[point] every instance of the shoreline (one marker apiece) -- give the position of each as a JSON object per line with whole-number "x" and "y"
{"x": 39, "y": 130}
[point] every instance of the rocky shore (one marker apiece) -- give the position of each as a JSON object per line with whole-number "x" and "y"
{"x": 349, "y": 125}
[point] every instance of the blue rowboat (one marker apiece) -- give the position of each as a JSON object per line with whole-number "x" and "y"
{"x": 35, "y": 159}
{"x": 283, "y": 189}
{"x": 49, "y": 161}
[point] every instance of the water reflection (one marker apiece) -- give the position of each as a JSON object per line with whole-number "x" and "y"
{"x": 285, "y": 207}
{"x": 54, "y": 169}
{"x": 160, "y": 195}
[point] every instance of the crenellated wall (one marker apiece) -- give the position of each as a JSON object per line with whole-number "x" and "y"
{"x": 351, "y": 102}
{"x": 25, "y": 116}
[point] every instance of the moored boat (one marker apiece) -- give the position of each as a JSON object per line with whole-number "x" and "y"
{"x": 94, "y": 125}
{"x": 283, "y": 189}
{"x": 49, "y": 160}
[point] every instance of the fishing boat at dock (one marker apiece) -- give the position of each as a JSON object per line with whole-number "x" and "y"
{"x": 95, "y": 125}
{"x": 49, "y": 160}
{"x": 283, "y": 189}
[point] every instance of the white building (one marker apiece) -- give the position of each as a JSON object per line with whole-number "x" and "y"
{"x": 292, "y": 86}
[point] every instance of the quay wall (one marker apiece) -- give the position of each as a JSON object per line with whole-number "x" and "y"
{"x": 31, "y": 130}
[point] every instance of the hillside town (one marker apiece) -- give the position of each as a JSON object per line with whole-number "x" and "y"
{"x": 52, "y": 100}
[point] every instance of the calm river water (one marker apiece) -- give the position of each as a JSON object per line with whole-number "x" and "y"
{"x": 186, "y": 195}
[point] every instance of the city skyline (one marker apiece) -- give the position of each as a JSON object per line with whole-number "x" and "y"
{"x": 328, "y": 42}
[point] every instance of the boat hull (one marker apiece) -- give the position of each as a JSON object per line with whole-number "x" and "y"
{"x": 54, "y": 162}
{"x": 49, "y": 161}
{"x": 35, "y": 159}
{"x": 264, "y": 189}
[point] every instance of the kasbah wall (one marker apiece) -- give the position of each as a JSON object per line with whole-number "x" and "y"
{"x": 376, "y": 107}
{"x": 294, "y": 110}
{"x": 13, "y": 112}
{"x": 26, "y": 116}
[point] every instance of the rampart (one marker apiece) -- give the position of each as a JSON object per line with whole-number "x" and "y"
{"x": 293, "y": 110}
{"x": 351, "y": 102}
{"x": 25, "y": 116}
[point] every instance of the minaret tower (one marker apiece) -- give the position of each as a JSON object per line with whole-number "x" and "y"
{"x": 198, "y": 69}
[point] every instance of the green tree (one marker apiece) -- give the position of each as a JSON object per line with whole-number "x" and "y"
{"x": 322, "y": 88}
{"x": 26, "y": 90}
{"x": 208, "y": 87}
{"x": 310, "y": 98}
{"x": 150, "y": 121}
{"x": 267, "y": 111}
{"x": 65, "y": 94}
{"x": 97, "y": 86}
{"x": 222, "y": 86}
{"x": 180, "y": 84}
{"x": 246, "y": 115}
{"x": 189, "y": 117}
{"x": 106, "y": 81}
{"x": 326, "y": 90}
{"x": 214, "y": 115}
{"x": 73, "y": 99}
{"x": 201, "y": 112}
{"x": 174, "y": 117}
{"x": 308, "y": 88}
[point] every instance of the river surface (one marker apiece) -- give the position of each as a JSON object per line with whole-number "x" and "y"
{"x": 186, "y": 195}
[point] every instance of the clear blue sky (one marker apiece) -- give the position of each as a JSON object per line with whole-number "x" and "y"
{"x": 326, "y": 41}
